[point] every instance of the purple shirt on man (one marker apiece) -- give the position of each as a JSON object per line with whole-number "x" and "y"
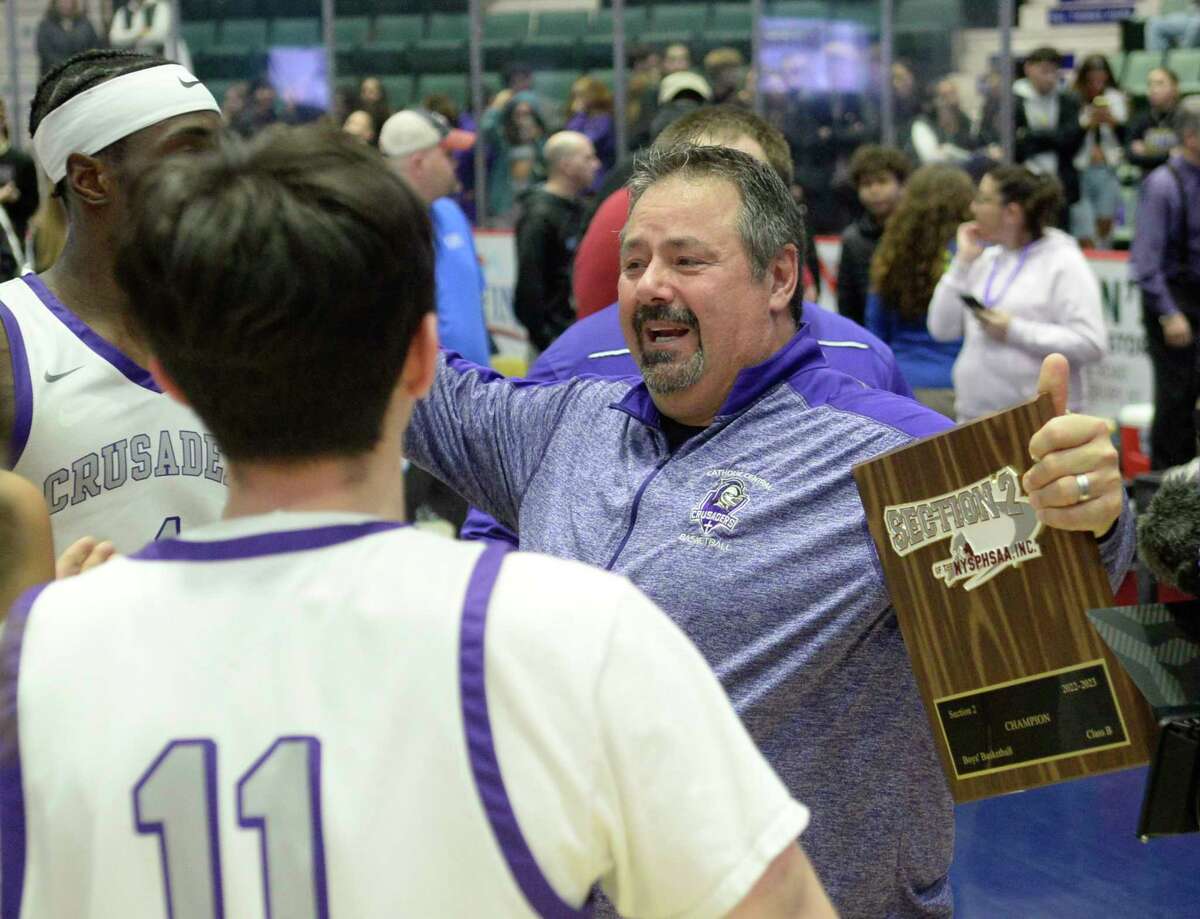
{"x": 595, "y": 346}
{"x": 1156, "y": 257}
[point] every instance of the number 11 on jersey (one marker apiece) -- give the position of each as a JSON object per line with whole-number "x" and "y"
{"x": 279, "y": 797}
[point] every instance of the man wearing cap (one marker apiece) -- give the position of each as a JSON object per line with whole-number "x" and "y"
{"x": 418, "y": 143}
{"x": 82, "y": 419}
{"x": 548, "y": 233}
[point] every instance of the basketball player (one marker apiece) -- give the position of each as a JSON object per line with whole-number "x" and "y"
{"x": 325, "y": 713}
{"x": 82, "y": 418}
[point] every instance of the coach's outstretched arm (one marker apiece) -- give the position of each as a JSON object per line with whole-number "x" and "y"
{"x": 485, "y": 435}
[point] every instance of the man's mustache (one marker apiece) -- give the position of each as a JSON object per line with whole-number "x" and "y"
{"x": 679, "y": 315}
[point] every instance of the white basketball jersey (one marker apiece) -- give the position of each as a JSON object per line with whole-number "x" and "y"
{"x": 115, "y": 457}
{"x": 329, "y": 715}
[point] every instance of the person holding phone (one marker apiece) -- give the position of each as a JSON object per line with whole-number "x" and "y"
{"x": 1036, "y": 295}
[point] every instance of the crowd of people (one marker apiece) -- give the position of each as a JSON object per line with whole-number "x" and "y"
{"x": 219, "y": 380}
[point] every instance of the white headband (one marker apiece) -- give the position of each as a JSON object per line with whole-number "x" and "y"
{"x": 102, "y": 115}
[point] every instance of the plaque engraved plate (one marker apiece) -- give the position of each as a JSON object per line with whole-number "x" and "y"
{"x": 1033, "y": 720}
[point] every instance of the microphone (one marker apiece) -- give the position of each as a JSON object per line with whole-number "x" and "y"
{"x": 1169, "y": 531}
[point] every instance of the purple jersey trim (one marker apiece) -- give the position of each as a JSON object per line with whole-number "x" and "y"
{"x": 274, "y": 543}
{"x": 130, "y": 369}
{"x": 482, "y": 750}
{"x": 22, "y": 386}
{"x": 12, "y": 790}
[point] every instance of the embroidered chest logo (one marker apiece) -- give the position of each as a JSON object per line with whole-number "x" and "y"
{"x": 990, "y": 525}
{"x": 722, "y": 508}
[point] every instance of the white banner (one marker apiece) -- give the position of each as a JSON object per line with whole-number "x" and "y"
{"x": 1123, "y": 377}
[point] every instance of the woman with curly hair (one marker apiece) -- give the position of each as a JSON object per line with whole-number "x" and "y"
{"x": 911, "y": 257}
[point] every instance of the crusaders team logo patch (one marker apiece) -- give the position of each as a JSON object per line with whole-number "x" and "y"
{"x": 718, "y": 510}
{"x": 722, "y": 509}
{"x": 990, "y": 524}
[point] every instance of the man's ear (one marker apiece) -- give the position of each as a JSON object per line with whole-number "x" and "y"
{"x": 784, "y": 274}
{"x": 421, "y": 363}
{"x": 166, "y": 382}
{"x": 90, "y": 179}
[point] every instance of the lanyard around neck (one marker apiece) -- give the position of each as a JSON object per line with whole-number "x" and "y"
{"x": 990, "y": 301}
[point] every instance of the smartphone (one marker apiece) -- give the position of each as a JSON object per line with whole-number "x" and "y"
{"x": 971, "y": 303}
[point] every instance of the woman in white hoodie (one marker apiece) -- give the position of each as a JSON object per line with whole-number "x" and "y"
{"x": 1035, "y": 292}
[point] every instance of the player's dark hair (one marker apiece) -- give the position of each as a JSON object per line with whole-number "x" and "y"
{"x": 280, "y": 282}
{"x": 1040, "y": 196}
{"x": 1044, "y": 55}
{"x": 80, "y": 73}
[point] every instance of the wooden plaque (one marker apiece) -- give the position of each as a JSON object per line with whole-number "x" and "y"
{"x": 1019, "y": 688}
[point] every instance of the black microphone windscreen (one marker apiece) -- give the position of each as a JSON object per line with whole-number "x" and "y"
{"x": 1169, "y": 535}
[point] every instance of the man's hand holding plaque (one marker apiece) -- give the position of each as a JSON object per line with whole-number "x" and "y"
{"x": 987, "y": 535}
{"x": 1075, "y": 482}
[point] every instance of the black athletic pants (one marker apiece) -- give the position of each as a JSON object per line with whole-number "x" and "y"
{"x": 1176, "y": 385}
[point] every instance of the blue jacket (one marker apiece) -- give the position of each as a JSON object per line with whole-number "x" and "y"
{"x": 781, "y": 591}
{"x": 595, "y": 346}
{"x": 926, "y": 363}
{"x": 460, "y": 284}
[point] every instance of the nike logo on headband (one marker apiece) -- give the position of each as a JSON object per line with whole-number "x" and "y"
{"x": 188, "y": 84}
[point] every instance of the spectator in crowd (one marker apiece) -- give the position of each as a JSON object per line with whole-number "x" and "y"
{"x": 47, "y": 228}
{"x": 18, "y": 184}
{"x": 943, "y": 134}
{"x": 908, "y": 103}
{"x": 878, "y": 173}
{"x": 419, "y": 144}
{"x": 730, "y": 458}
{"x": 679, "y": 93}
{"x": 1165, "y": 261}
{"x": 1036, "y": 293}
{"x": 1176, "y": 25}
{"x": 360, "y": 124}
{"x": 141, "y": 25}
{"x": 1049, "y": 131}
{"x": 1151, "y": 135}
{"x": 261, "y": 110}
{"x": 373, "y": 98}
{"x": 464, "y": 160}
{"x": 726, "y": 70}
{"x": 63, "y": 32}
{"x": 645, "y": 73}
{"x": 590, "y": 105}
{"x": 515, "y": 134}
{"x": 1103, "y": 117}
{"x": 676, "y": 59}
{"x": 910, "y": 259}
{"x": 548, "y": 233}
{"x": 233, "y": 103}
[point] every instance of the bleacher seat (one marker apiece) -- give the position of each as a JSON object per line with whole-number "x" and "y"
{"x": 563, "y": 24}
{"x": 510, "y": 27}
{"x": 637, "y": 21}
{"x": 732, "y": 17}
{"x": 681, "y": 20}
{"x": 200, "y": 36}
{"x": 454, "y": 85}
{"x": 1186, "y": 64}
{"x": 296, "y": 32}
{"x": 554, "y": 86}
{"x": 244, "y": 34}
{"x": 398, "y": 29}
{"x": 350, "y": 31}
{"x": 1116, "y": 61}
{"x": 399, "y": 89}
{"x": 449, "y": 27}
{"x": 928, "y": 14}
{"x": 801, "y": 9}
{"x": 237, "y": 9}
{"x": 1137, "y": 67}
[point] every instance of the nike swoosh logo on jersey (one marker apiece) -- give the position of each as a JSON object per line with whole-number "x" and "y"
{"x": 188, "y": 84}
{"x": 55, "y": 377}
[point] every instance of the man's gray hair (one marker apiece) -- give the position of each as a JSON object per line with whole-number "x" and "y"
{"x": 1187, "y": 116}
{"x": 768, "y": 219}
